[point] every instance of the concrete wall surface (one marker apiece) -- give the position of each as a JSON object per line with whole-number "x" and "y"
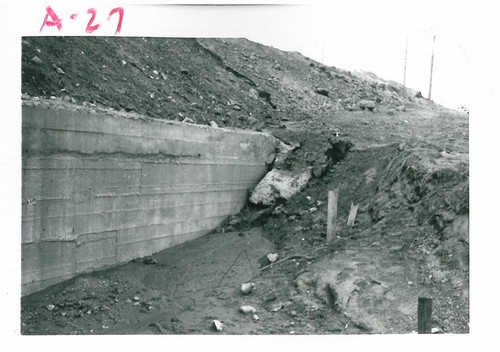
{"x": 99, "y": 190}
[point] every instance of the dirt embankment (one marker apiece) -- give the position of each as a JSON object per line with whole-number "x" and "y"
{"x": 402, "y": 159}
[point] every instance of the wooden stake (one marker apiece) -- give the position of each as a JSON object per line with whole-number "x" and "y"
{"x": 331, "y": 226}
{"x": 352, "y": 214}
{"x": 424, "y": 315}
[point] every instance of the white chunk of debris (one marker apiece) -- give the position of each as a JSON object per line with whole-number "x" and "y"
{"x": 248, "y": 310}
{"x": 217, "y": 325}
{"x": 279, "y": 184}
{"x": 247, "y": 287}
{"x": 213, "y": 124}
{"x": 272, "y": 257}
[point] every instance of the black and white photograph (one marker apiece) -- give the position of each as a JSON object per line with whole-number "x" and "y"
{"x": 243, "y": 168}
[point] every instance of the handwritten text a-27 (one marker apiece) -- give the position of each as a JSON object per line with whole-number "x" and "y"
{"x": 53, "y": 20}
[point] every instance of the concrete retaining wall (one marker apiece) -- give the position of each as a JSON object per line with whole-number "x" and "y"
{"x": 100, "y": 190}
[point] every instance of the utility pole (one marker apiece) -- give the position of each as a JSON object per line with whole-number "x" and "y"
{"x": 406, "y": 58}
{"x": 432, "y": 65}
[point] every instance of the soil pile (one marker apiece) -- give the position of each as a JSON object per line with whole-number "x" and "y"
{"x": 400, "y": 158}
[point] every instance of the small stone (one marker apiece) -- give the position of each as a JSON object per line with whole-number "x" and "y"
{"x": 272, "y": 257}
{"x": 276, "y": 307}
{"x": 123, "y": 62}
{"x": 59, "y": 70}
{"x": 155, "y": 72}
{"x": 36, "y": 60}
{"x": 367, "y": 104}
{"x": 214, "y": 124}
{"x": 246, "y": 288}
{"x": 136, "y": 298}
{"x": 293, "y": 313}
{"x": 236, "y": 107}
{"x": 217, "y": 325}
{"x": 184, "y": 71}
{"x": 255, "y": 317}
{"x": 50, "y": 307}
{"x": 248, "y": 310}
{"x": 390, "y": 296}
{"x": 150, "y": 261}
{"x": 322, "y": 91}
{"x": 419, "y": 95}
{"x": 252, "y": 93}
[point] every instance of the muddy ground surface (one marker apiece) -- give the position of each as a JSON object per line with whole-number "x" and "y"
{"x": 406, "y": 166}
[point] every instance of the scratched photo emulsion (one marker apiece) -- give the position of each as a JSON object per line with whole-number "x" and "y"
{"x": 230, "y": 187}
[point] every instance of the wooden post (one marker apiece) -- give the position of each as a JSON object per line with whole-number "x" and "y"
{"x": 352, "y": 214}
{"x": 331, "y": 225}
{"x": 424, "y": 315}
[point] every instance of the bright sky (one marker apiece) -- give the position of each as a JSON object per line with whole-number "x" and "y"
{"x": 354, "y": 35}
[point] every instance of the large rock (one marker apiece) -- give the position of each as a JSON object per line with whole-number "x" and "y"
{"x": 279, "y": 184}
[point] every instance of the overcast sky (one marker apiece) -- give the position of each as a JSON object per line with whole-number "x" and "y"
{"x": 354, "y": 35}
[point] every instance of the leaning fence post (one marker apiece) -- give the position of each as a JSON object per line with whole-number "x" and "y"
{"x": 331, "y": 226}
{"x": 352, "y": 214}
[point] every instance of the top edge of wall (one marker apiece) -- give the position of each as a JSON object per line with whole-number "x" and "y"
{"x": 59, "y": 104}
